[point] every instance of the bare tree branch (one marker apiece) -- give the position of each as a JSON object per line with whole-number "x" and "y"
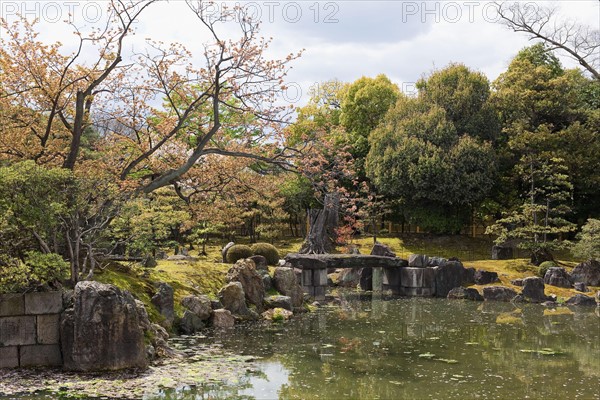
{"x": 582, "y": 43}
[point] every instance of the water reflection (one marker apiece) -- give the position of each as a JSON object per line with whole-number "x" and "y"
{"x": 379, "y": 348}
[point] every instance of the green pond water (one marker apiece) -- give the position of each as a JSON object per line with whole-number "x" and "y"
{"x": 373, "y": 348}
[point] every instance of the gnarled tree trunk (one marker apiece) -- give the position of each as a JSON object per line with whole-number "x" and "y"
{"x": 321, "y": 235}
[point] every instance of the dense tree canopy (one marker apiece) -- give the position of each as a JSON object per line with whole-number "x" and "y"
{"x": 419, "y": 156}
{"x": 549, "y": 112}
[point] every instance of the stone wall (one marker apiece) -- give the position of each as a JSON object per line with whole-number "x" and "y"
{"x": 30, "y": 329}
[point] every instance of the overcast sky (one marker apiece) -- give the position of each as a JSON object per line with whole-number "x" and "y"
{"x": 343, "y": 40}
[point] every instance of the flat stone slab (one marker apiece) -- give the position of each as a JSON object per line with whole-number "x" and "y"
{"x": 12, "y": 304}
{"x": 15, "y": 331}
{"x": 416, "y": 277}
{"x": 41, "y": 355}
{"x": 320, "y": 261}
{"x": 48, "y": 329}
{"x": 43, "y": 303}
{"x": 9, "y": 357}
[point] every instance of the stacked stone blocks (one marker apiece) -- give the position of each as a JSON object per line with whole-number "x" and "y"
{"x": 30, "y": 329}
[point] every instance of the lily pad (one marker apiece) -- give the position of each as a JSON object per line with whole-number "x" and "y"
{"x": 447, "y": 360}
{"x": 544, "y": 352}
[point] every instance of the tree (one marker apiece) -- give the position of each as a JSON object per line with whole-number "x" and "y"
{"x": 89, "y": 115}
{"x": 73, "y": 95}
{"x": 33, "y": 200}
{"x": 417, "y": 156}
{"x": 588, "y": 246}
{"x": 464, "y": 95}
{"x": 364, "y": 103}
{"x": 147, "y": 224}
{"x": 299, "y": 196}
{"x": 580, "y": 42}
{"x": 330, "y": 167}
{"x": 552, "y": 112}
{"x": 540, "y": 220}
{"x": 54, "y": 210}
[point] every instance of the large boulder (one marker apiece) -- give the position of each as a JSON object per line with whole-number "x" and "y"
{"x": 448, "y": 275}
{"x": 347, "y": 277}
{"x": 437, "y": 262}
{"x": 518, "y": 282}
{"x": 277, "y": 314}
{"x": 485, "y": 277}
{"x": 159, "y": 346}
{"x": 142, "y": 316}
{"x": 581, "y": 300}
{"x": 244, "y": 272}
{"x": 557, "y": 276}
{"x": 233, "y": 298}
{"x": 587, "y": 272}
{"x": 279, "y": 302}
{"x": 190, "y": 323}
{"x": 284, "y": 281}
{"x": 469, "y": 276}
{"x": 260, "y": 262}
{"x": 163, "y": 300}
{"x": 266, "y": 278}
{"x": 533, "y": 290}
{"x": 222, "y": 318}
{"x": 200, "y": 305}
{"x": 580, "y": 287}
{"x": 102, "y": 331}
{"x": 418, "y": 261}
{"x": 380, "y": 249}
{"x": 464, "y": 294}
{"x": 498, "y": 293}
{"x": 502, "y": 253}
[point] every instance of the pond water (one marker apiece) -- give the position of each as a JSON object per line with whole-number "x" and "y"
{"x": 371, "y": 348}
{"x": 411, "y": 348}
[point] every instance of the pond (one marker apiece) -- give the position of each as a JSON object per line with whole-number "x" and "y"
{"x": 368, "y": 347}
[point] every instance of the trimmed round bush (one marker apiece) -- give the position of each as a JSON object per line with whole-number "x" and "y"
{"x": 237, "y": 252}
{"x": 544, "y": 267}
{"x": 266, "y": 250}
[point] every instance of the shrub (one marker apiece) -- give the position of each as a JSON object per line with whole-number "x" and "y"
{"x": 588, "y": 246}
{"x": 237, "y": 252}
{"x": 14, "y": 275}
{"x": 38, "y": 269}
{"x": 268, "y": 251}
{"x": 544, "y": 267}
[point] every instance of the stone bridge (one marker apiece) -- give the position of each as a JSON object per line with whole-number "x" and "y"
{"x": 422, "y": 276}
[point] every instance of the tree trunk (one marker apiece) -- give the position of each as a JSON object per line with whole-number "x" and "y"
{"x": 321, "y": 235}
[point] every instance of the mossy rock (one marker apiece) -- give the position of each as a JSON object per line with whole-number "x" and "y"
{"x": 237, "y": 252}
{"x": 266, "y": 250}
{"x": 544, "y": 267}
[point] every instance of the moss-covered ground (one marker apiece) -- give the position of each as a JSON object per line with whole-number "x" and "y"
{"x": 206, "y": 274}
